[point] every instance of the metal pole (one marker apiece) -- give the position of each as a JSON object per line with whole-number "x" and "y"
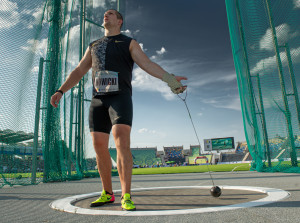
{"x": 264, "y": 125}
{"x": 293, "y": 80}
{"x": 121, "y": 9}
{"x": 37, "y": 121}
{"x": 82, "y": 92}
{"x": 80, "y": 119}
{"x": 70, "y": 155}
{"x": 249, "y": 82}
{"x": 284, "y": 95}
{"x": 118, "y": 5}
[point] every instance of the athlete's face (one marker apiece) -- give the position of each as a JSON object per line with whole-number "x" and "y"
{"x": 110, "y": 19}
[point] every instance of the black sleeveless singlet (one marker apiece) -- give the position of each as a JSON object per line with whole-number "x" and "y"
{"x": 106, "y": 109}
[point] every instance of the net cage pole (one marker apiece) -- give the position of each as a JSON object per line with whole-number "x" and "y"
{"x": 283, "y": 88}
{"x": 79, "y": 114}
{"x": 80, "y": 93}
{"x": 293, "y": 80}
{"x": 256, "y": 147}
{"x": 121, "y": 9}
{"x": 71, "y": 123}
{"x": 68, "y": 149}
{"x": 37, "y": 120}
{"x": 264, "y": 124}
{"x": 52, "y": 166}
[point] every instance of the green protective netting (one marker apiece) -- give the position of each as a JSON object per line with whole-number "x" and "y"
{"x": 42, "y": 41}
{"x": 265, "y": 39}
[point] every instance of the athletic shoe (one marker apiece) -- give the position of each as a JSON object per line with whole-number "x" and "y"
{"x": 105, "y": 198}
{"x": 127, "y": 203}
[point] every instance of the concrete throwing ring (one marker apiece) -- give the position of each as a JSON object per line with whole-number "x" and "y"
{"x": 68, "y": 204}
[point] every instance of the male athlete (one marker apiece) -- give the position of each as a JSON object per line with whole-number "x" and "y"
{"x": 112, "y": 58}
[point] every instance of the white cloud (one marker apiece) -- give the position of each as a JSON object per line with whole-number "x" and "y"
{"x": 149, "y": 132}
{"x": 228, "y": 102}
{"x": 130, "y": 33}
{"x": 6, "y": 5}
{"x": 9, "y": 16}
{"x": 142, "y": 47}
{"x": 127, "y": 32}
{"x": 144, "y": 82}
{"x": 210, "y": 78}
{"x": 297, "y": 3}
{"x": 199, "y": 113}
{"x": 37, "y": 13}
{"x": 36, "y": 46}
{"x": 161, "y": 51}
{"x": 159, "y": 54}
{"x": 35, "y": 69}
{"x": 271, "y": 62}
{"x": 283, "y": 33}
{"x": 73, "y": 58}
{"x": 145, "y": 130}
{"x": 182, "y": 67}
{"x": 97, "y": 4}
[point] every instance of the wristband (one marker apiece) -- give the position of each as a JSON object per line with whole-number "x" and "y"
{"x": 172, "y": 82}
{"x": 60, "y": 91}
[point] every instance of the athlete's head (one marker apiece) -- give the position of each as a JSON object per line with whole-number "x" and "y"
{"x": 112, "y": 18}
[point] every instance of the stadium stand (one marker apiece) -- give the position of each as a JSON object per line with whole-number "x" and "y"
{"x": 142, "y": 157}
{"x": 161, "y": 155}
{"x": 241, "y": 147}
{"x": 174, "y": 153}
{"x": 231, "y": 157}
{"x": 145, "y": 156}
{"x": 17, "y": 157}
{"x": 240, "y": 154}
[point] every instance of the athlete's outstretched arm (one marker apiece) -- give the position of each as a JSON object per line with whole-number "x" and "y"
{"x": 142, "y": 60}
{"x": 74, "y": 77}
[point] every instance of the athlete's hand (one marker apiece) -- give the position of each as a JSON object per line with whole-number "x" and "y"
{"x": 174, "y": 82}
{"x": 55, "y": 99}
{"x": 181, "y": 89}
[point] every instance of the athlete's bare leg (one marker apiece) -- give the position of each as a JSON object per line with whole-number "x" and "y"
{"x": 121, "y": 135}
{"x": 100, "y": 141}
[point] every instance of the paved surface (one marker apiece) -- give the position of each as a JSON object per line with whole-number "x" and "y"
{"x": 31, "y": 203}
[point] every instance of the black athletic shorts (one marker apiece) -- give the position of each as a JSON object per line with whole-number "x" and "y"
{"x": 108, "y": 110}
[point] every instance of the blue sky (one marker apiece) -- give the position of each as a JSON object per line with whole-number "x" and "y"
{"x": 192, "y": 40}
{"x": 189, "y": 39}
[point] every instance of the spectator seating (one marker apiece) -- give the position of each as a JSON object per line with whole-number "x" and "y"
{"x": 175, "y": 154}
{"x": 141, "y": 156}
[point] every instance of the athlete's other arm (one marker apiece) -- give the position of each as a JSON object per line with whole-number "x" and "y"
{"x": 74, "y": 77}
{"x": 141, "y": 59}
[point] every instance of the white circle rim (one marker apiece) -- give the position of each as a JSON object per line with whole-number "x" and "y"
{"x": 273, "y": 195}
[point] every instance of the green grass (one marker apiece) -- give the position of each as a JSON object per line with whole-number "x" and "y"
{"x": 192, "y": 169}
{"x": 159, "y": 170}
{"x": 23, "y": 175}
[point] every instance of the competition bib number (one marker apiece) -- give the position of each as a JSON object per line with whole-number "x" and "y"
{"x": 106, "y": 81}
